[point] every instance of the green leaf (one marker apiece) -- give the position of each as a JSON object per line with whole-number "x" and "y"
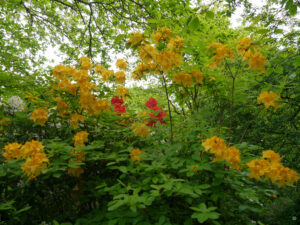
{"x": 152, "y": 20}
{"x": 119, "y": 38}
{"x": 57, "y": 175}
{"x": 55, "y": 222}
{"x": 210, "y": 14}
{"x": 194, "y": 23}
{"x": 24, "y": 209}
{"x": 201, "y": 217}
{"x": 278, "y": 31}
{"x": 297, "y": 62}
{"x": 116, "y": 205}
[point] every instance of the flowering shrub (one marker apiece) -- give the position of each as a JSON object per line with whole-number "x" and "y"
{"x": 103, "y": 162}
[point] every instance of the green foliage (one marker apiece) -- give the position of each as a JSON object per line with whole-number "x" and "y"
{"x": 174, "y": 183}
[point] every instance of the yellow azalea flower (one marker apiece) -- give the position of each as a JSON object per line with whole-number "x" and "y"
{"x": 176, "y": 44}
{"x": 257, "y": 168}
{"x": 86, "y": 100}
{"x": 60, "y": 72}
{"x": 135, "y": 39}
{"x": 80, "y": 138}
{"x": 70, "y": 71}
{"x": 106, "y": 75}
{"x": 62, "y": 106}
{"x": 34, "y": 165}
{"x": 121, "y": 64}
{"x": 122, "y": 92}
{"x": 12, "y": 151}
{"x": 139, "y": 71}
{"x": 166, "y": 61}
{"x": 269, "y": 99}
{"x": 198, "y": 76}
{"x": 66, "y": 85}
{"x": 75, "y": 172}
{"x": 31, "y": 148}
{"x": 75, "y": 118}
{"x": 182, "y": 78}
{"x": 140, "y": 129}
{"x": 217, "y": 146}
{"x": 81, "y": 76}
{"x": 147, "y": 53}
{"x": 85, "y": 63}
{"x": 271, "y": 155}
{"x": 39, "y": 116}
{"x": 99, "y": 69}
{"x": 100, "y": 105}
{"x": 220, "y": 52}
{"x": 257, "y": 61}
{"x": 232, "y": 156}
{"x": 244, "y": 45}
{"x": 163, "y": 34}
{"x": 120, "y": 77}
{"x": 270, "y": 167}
{"x": 134, "y": 154}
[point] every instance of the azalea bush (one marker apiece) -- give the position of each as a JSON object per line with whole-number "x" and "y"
{"x": 78, "y": 153}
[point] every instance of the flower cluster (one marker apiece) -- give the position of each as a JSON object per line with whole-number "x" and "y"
{"x": 134, "y": 154}
{"x": 122, "y": 92}
{"x": 106, "y": 74}
{"x": 36, "y": 159}
{"x": 16, "y": 104}
{"x": 136, "y": 39}
{"x": 163, "y": 34}
{"x": 140, "y": 129}
{"x": 217, "y": 146}
{"x": 220, "y": 53}
{"x": 120, "y": 77}
{"x": 39, "y": 116}
{"x": 271, "y": 168}
{"x": 245, "y": 48}
{"x": 244, "y": 45}
{"x": 249, "y": 51}
{"x": 79, "y": 139}
{"x": 75, "y": 118}
{"x": 85, "y": 63}
{"x": 157, "y": 112}
{"x": 154, "y": 58}
{"x": 77, "y": 83}
{"x": 121, "y": 64}
{"x": 118, "y": 104}
{"x": 187, "y": 79}
{"x": 269, "y": 99}
{"x": 256, "y": 60}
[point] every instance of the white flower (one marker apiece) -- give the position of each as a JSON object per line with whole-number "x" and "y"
{"x": 16, "y": 104}
{"x": 294, "y": 218}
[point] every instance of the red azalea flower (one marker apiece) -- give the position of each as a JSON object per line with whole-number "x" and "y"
{"x": 151, "y": 123}
{"x": 151, "y": 103}
{"x": 120, "y": 108}
{"x": 161, "y": 116}
{"x": 116, "y": 100}
{"x": 156, "y": 108}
